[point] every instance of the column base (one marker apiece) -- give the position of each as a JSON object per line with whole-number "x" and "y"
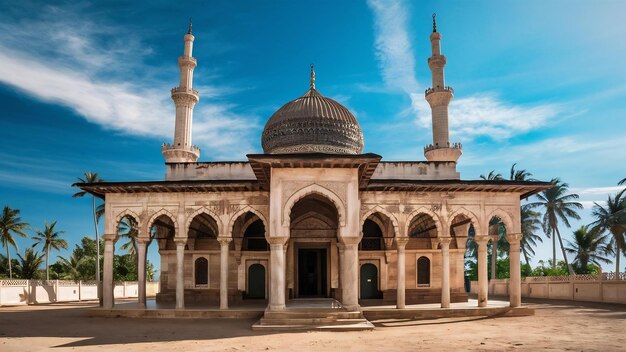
{"x": 277, "y": 307}
{"x": 353, "y": 308}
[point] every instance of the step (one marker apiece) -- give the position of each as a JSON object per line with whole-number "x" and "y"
{"x": 289, "y": 314}
{"x": 360, "y": 326}
{"x": 323, "y": 321}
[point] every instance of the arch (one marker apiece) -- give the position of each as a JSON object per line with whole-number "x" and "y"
{"x": 156, "y": 215}
{"x": 254, "y": 243}
{"x": 368, "y": 281}
{"x": 504, "y": 217}
{"x": 240, "y": 212}
{"x": 423, "y": 272}
{"x": 125, "y": 213}
{"x": 423, "y": 210}
{"x": 314, "y": 189}
{"x": 371, "y": 240}
{"x": 379, "y": 209}
{"x": 473, "y": 218}
{"x": 207, "y": 211}
{"x": 201, "y": 271}
{"x": 256, "y": 282}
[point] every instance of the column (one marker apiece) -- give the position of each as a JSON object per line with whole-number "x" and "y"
{"x": 180, "y": 272}
{"x": 224, "y": 243}
{"x": 494, "y": 254}
{"x": 142, "y": 244}
{"x": 515, "y": 280}
{"x": 107, "y": 277}
{"x": 350, "y": 273}
{"x": 277, "y": 273}
{"x": 444, "y": 242}
{"x": 401, "y": 282}
{"x": 483, "y": 281}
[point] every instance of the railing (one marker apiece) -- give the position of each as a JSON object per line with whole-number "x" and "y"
{"x": 448, "y": 145}
{"x": 188, "y": 58}
{"x": 579, "y": 277}
{"x": 611, "y": 276}
{"x": 371, "y": 244}
{"x": 176, "y": 90}
{"x": 167, "y": 146}
{"x": 438, "y": 89}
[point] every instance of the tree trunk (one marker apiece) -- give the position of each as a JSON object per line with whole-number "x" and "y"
{"x": 617, "y": 255}
{"x": 47, "y": 272}
{"x": 494, "y": 258}
{"x": 569, "y": 267}
{"x": 9, "y": 257}
{"x": 95, "y": 224}
{"x": 553, "y": 249}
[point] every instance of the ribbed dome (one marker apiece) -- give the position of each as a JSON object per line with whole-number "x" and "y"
{"x": 312, "y": 124}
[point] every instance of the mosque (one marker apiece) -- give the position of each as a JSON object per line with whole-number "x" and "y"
{"x": 313, "y": 217}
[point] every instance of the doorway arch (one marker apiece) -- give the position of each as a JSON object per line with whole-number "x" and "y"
{"x": 369, "y": 281}
{"x": 256, "y": 281}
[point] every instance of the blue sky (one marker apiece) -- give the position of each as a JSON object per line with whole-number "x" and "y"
{"x": 85, "y": 86}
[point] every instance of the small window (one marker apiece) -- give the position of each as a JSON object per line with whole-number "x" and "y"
{"x": 423, "y": 272}
{"x": 202, "y": 271}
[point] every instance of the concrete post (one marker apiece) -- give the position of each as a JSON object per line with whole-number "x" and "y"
{"x": 483, "y": 282}
{"x": 277, "y": 273}
{"x": 515, "y": 281}
{"x": 224, "y": 243}
{"x": 444, "y": 242}
{"x": 180, "y": 273}
{"x": 56, "y": 290}
{"x": 80, "y": 288}
{"x": 142, "y": 244}
{"x": 350, "y": 274}
{"x": 401, "y": 285}
{"x": 107, "y": 275}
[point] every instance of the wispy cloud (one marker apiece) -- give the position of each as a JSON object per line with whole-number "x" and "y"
{"x": 481, "y": 114}
{"x": 85, "y": 68}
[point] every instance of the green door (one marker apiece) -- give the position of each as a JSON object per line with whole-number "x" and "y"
{"x": 369, "y": 281}
{"x": 256, "y": 281}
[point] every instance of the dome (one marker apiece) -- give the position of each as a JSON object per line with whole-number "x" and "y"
{"x": 312, "y": 124}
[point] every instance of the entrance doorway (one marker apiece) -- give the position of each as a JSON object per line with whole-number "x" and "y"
{"x": 369, "y": 281}
{"x": 312, "y": 272}
{"x": 256, "y": 281}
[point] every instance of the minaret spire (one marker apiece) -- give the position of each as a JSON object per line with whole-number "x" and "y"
{"x": 190, "y": 30}
{"x": 439, "y": 97}
{"x": 312, "y": 76}
{"x": 185, "y": 98}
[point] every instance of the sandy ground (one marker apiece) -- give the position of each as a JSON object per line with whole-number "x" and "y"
{"x": 556, "y": 326}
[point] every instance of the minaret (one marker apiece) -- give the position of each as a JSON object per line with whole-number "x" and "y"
{"x": 185, "y": 98}
{"x": 439, "y": 97}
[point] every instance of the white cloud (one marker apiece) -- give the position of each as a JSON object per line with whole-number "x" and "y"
{"x": 69, "y": 67}
{"x": 476, "y": 115}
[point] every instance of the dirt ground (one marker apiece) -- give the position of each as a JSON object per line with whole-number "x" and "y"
{"x": 556, "y": 326}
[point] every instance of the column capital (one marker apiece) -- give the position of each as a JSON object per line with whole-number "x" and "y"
{"x": 180, "y": 241}
{"x": 277, "y": 240}
{"x": 341, "y": 246}
{"x": 109, "y": 237}
{"x": 224, "y": 241}
{"x": 401, "y": 241}
{"x": 481, "y": 240}
{"x": 514, "y": 238}
{"x": 444, "y": 241}
{"x": 350, "y": 240}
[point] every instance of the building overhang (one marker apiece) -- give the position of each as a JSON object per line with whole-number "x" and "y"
{"x": 524, "y": 188}
{"x": 100, "y": 189}
{"x": 263, "y": 163}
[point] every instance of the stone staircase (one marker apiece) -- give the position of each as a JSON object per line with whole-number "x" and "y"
{"x": 312, "y": 316}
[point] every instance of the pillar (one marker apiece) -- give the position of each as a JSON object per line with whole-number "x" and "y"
{"x": 515, "y": 280}
{"x": 142, "y": 244}
{"x": 401, "y": 284}
{"x": 224, "y": 243}
{"x": 180, "y": 272}
{"x": 483, "y": 281}
{"x": 444, "y": 242}
{"x": 277, "y": 273}
{"x": 107, "y": 277}
{"x": 350, "y": 273}
{"x": 494, "y": 254}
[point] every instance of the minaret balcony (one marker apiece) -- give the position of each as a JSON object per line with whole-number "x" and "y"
{"x": 438, "y": 89}
{"x": 177, "y": 154}
{"x": 187, "y": 61}
{"x": 449, "y": 152}
{"x": 449, "y": 145}
{"x": 178, "y": 91}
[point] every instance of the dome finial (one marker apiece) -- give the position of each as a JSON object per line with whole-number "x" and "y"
{"x": 190, "y": 27}
{"x": 312, "y": 76}
{"x": 434, "y": 23}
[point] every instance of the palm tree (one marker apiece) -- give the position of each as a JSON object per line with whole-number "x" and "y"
{"x": 612, "y": 218}
{"x": 49, "y": 238}
{"x": 11, "y": 224}
{"x": 622, "y": 182}
{"x": 28, "y": 265}
{"x": 557, "y": 205}
{"x": 493, "y": 176}
{"x": 530, "y": 225}
{"x": 93, "y": 177}
{"x": 520, "y": 175}
{"x": 71, "y": 265}
{"x": 589, "y": 245}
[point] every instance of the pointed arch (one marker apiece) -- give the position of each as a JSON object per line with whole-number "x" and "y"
{"x": 125, "y": 213}
{"x": 423, "y": 210}
{"x": 390, "y": 216}
{"x": 238, "y": 213}
{"x": 210, "y": 213}
{"x": 319, "y": 190}
{"x": 473, "y": 218}
{"x": 156, "y": 215}
{"x": 505, "y": 217}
